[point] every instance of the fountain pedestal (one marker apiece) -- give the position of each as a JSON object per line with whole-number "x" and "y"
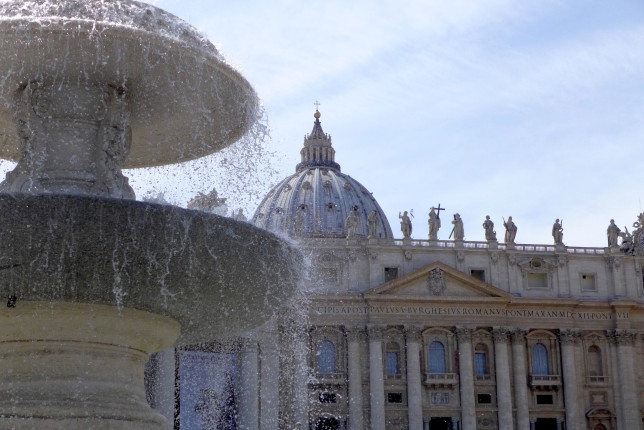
{"x": 78, "y": 366}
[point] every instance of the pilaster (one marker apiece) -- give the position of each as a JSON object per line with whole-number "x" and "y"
{"x": 520, "y": 378}
{"x": 629, "y": 410}
{"x": 355, "y": 335}
{"x": 503, "y": 389}
{"x": 568, "y": 339}
{"x": 414, "y": 382}
{"x": 466, "y": 377}
{"x": 376, "y": 378}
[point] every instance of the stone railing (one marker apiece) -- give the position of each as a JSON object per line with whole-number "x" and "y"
{"x": 450, "y": 244}
{"x": 483, "y": 378}
{"x": 330, "y": 378}
{"x": 544, "y": 381}
{"x": 597, "y": 380}
{"x": 441, "y": 379}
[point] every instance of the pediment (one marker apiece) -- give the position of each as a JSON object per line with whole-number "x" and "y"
{"x": 437, "y": 280}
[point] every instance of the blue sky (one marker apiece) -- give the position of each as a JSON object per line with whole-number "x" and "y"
{"x": 533, "y": 109}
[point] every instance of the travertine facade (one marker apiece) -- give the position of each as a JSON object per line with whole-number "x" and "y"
{"x": 429, "y": 334}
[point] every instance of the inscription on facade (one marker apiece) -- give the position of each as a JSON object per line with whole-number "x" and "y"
{"x": 467, "y": 311}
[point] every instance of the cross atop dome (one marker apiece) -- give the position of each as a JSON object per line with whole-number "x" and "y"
{"x": 318, "y": 150}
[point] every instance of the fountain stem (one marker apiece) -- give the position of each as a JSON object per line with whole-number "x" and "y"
{"x": 74, "y": 136}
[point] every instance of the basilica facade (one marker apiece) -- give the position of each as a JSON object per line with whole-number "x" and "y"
{"x": 402, "y": 333}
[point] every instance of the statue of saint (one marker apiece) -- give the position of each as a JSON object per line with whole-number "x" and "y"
{"x": 458, "y": 231}
{"x": 510, "y": 230}
{"x": 488, "y": 225}
{"x": 434, "y": 223}
{"x": 557, "y": 232}
{"x": 239, "y": 216}
{"x": 352, "y": 222}
{"x": 613, "y": 233}
{"x": 405, "y": 225}
{"x": 372, "y": 222}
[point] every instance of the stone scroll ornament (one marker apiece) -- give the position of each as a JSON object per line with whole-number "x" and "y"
{"x": 436, "y": 282}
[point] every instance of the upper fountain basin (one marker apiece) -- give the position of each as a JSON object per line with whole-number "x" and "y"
{"x": 186, "y": 101}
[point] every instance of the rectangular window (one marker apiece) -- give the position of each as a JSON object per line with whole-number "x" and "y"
{"x": 394, "y": 397}
{"x": 587, "y": 281}
{"x": 538, "y": 280}
{"x": 478, "y": 274}
{"x": 544, "y": 399}
{"x": 327, "y": 398}
{"x": 484, "y": 399}
{"x": 391, "y": 273}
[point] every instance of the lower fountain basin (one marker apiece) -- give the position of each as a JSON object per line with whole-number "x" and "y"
{"x": 215, "y": 276}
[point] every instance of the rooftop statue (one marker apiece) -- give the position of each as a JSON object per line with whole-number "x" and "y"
{"x": 488, "y": 226}
{"x": 434, "y": 223}
{"x": 405, "y": 225}
{"x": 557, "y": 232}
{"x": 613, "y": 233}
{"x": 510, "y": 231}
{"x": 458, "y": 231}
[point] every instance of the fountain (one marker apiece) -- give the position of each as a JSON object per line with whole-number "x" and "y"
{"x": 94, "y": 280}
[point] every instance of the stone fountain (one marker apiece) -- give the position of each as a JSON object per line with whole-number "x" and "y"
{"x": 94, "y": 280}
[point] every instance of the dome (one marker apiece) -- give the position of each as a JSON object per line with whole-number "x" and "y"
{"x": 318, "y": 199}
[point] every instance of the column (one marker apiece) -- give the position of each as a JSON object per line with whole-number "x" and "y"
{"x": 567, "y": 339}
{"x": 376, "y": 378}
{"x": 629, "y": 410}
{"x": 249, "y": 386}
{"x": 414, "y": 383}
{"x": 270, "y": 371}
{"x": 466, "y": 378}
{"x": 355, "y": 335}
{"x": 503, "y": 388}
{"x": 520, "y": 379}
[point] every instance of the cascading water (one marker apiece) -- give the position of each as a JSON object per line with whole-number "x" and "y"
{"x": 96, "y": 280}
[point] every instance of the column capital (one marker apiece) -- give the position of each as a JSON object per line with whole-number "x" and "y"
{"x": 622, "y": 336}
{"x": 375, "y": 332}
{"x": 518, "y": 335}
{"x": 354, "y": 333}
{"x": 464, "y": 334}
{"x": 501, "y": 334}
{"x": 569, "y": 336}
{"x": 413, "y": 333}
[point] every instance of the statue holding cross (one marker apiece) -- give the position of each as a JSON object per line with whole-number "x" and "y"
{"x": 434, "y": 221}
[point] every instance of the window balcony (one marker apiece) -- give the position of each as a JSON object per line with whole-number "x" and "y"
{"x": 544, "y": 382}
{"x": 597, "y": 380}
{"x": 330, "y": 378}
{"x": 440, "y": 380}
{"x": 484, "y": 378}
{"x": 397, "y": 376}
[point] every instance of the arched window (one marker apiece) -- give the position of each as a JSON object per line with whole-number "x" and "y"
{"x": 437, "y": 357}
{"x": 326, "y": 357}
{"x": 540, "y": 359}
{"x": 600, "y": 427}
{"x": 594, "y": 360}
{"x": 393, "y": 359}
{"x": 480, "y": 360}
